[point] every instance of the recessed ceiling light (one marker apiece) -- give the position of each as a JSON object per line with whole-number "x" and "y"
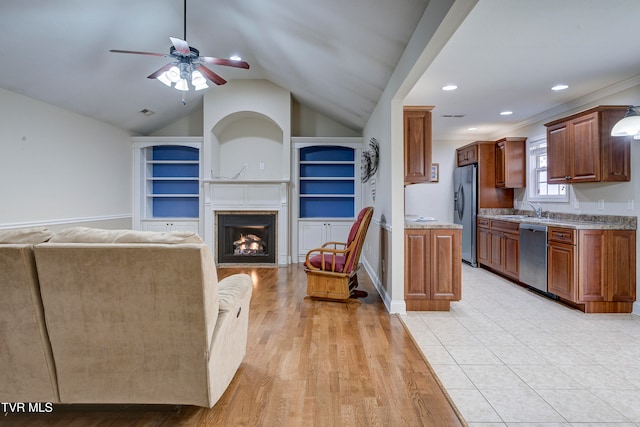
{"x": 560, "y": 87}
{"x": 147, "y": 112}
{"x": 449, "y": 87}
{"x": 506, "y": 113}
{"x": 235, "y": 58}
{"x": 472, "y": 128}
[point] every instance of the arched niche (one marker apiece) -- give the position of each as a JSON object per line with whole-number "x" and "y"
{"x": 252, "y": 139}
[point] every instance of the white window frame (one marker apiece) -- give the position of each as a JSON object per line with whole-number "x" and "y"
{"x": 533, "y": 147}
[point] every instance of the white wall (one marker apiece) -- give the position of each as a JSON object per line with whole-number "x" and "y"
{"x": 253, "y": 96}
{"x": 307, "y": 122}
{"x": 190, "y": 125}
{"x": 435, "y": 199}
{"x": 60, "y": 167}
{"x": 384, "y": 256}
{"x": 254, "y": 141}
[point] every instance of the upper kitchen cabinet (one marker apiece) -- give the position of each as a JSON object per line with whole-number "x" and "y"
{"x": 484, "y": 154}
{"x": 417, "y": 144}
{"x": 580, "y": 147}
{"x": 511, "y": 163}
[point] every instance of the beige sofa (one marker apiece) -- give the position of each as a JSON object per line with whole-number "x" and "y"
{"x": 139, "y": 317}
{"x": 27, "y": 371}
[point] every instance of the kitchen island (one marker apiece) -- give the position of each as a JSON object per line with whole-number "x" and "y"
{"x": 433, "y": 264}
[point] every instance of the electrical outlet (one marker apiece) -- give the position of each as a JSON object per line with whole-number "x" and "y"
{"x": 261, "y": 166}
{"x": 601, "y": 205}
{"x": 630, "y": 205}
{"x": 576, "y": 204}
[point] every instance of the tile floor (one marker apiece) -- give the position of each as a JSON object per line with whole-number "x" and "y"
{"x": 510, "y": 357}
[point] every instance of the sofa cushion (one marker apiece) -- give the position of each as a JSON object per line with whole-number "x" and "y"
{"x": 25, "y": 236}
{"x": 97, "y": 235}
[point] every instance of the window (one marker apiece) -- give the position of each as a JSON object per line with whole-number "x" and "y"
{"x": 539, "y": 190}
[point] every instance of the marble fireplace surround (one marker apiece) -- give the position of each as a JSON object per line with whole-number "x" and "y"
{"x": 248, "y": 196}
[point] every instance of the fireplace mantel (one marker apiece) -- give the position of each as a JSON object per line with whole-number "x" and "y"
{"x": 248, "y": 195}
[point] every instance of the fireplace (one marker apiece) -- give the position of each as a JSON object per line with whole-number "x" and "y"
{"x": 246, "y": 237}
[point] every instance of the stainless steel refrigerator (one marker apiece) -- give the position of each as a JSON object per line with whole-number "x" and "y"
{"x": 465, "y": 209}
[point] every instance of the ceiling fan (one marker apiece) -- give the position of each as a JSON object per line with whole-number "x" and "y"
{"x": 187, "y": 66}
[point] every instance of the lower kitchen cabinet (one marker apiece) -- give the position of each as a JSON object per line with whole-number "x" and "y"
{"x": 433, "y": 268}
{"x": 499, "y": 246}
{"x": 594, "y": 269}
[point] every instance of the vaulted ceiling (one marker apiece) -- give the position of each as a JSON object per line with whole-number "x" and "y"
{"x": 334, "y": 56}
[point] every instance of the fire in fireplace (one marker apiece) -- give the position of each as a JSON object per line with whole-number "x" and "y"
{"x": 249, "y": 245}
{"x": 246, "y": 237}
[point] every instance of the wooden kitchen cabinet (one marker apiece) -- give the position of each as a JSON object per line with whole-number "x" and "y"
{"x": 417, "y": 144}
{"x": 511, "y": 160}
{"x": 499, "y": 246}
{"x": 580, "y": 148}
{"x": 484, "y": 154}
{"x": 594, "y": 269}
{"x": 484, "y": 241}
{"x": 562, "y": 263}
{"x": 433, "y": 268}
{"x": 467, "y": 155}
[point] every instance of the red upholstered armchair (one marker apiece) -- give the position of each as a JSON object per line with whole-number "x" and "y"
{"x": 331, "y": 269}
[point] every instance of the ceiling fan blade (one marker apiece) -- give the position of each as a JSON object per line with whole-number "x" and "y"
{"x": 156, "y": 74}
{"x": 181, "y": 46}
{"x": 227, "y": 62}
{"x": 136, "y": 52}
{"x": 211, "y": 75}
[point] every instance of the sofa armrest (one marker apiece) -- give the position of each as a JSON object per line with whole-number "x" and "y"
{"x": 232, "y": 290}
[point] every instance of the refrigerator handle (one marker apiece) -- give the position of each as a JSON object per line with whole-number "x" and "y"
{"x": 459, "y": 201}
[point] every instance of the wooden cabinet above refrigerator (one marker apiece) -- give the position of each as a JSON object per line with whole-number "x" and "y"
{"x": 489, "y": 196}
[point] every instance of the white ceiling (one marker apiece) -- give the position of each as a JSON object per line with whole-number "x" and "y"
{"x": 507, "y": 54}
{"x": 335, "y": 56}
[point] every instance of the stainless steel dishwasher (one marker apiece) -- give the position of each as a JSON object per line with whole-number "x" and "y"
{"x": 533, "y": 255}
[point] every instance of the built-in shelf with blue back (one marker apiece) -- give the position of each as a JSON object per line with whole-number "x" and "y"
{"x": 173, "y": 186}
{"x": 327, "y": 182}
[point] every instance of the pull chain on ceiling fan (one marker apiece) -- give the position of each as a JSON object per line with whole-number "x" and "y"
{"x": 187, "y": 66}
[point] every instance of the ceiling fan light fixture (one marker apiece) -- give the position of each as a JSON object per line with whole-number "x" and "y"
{"x": 164, "y": 79}
{"x": 629, "y": 125}
{"x": 182, "y": 85}
{"x": 198, "y": 81}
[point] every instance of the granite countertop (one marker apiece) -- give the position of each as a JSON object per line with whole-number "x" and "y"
{"x": 414, "y": 221}
{"x": 577, "y": 222}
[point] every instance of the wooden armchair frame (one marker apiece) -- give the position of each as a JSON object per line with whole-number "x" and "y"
{"x": 332, "y": 268}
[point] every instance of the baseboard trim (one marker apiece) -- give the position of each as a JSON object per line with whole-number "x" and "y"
{"x": 64, "y": 221}
{"x": 393, "y": 307}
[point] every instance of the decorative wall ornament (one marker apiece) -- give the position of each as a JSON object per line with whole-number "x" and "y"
{"x": 370, "y": 160}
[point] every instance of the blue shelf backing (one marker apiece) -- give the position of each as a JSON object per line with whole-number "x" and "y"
{"x": 175, "y": 207}
{"x": 176, "y": 187}
{"x": 175, "y": 152}
{"x": 327, "y": 170}
{"x": 327, "y": 187}
{"x": 327, "y": 153}
{"x": 173, "y": 175}
{"x": 327, "y": 207}
{"x": 171, "y": 170}
{"x": 327, "y": 182}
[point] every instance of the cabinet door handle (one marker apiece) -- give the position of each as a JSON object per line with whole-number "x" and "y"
{"x": 568, "y": 178}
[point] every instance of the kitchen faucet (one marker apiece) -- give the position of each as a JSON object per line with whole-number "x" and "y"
{"x": 537, "y": 210}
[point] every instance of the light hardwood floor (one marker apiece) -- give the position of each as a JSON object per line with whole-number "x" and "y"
{"x": 308, "y": 363}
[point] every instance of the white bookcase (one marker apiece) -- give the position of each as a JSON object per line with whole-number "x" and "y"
{"x": 167, "y": 191}
{"x": 326, "y": 190}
